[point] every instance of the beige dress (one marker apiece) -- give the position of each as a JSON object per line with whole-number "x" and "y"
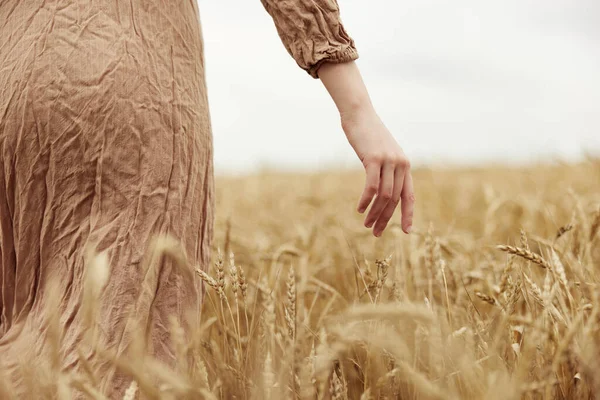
{"x": 105, "y": 137}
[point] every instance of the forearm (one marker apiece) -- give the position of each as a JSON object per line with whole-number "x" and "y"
{"x": 386, "y": 165}
{"x": 346, "y": 87}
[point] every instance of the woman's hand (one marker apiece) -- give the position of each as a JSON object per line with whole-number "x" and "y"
{"x": 388, "y": 171}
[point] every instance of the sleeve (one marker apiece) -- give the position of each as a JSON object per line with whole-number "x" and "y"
{"x": 312, "y": 32}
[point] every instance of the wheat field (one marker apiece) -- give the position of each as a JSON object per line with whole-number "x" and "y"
{"x": 492, "y": 296}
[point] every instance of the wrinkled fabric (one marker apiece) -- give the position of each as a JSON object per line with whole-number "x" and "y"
{"x": 105, "y": 138}
{"x": 312, "y": 32}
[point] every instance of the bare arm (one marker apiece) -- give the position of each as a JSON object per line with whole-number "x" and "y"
{"x": 313, "y": 34}
{"x": 387, "y": 168}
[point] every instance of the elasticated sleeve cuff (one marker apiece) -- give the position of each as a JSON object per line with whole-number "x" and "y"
{"x": 312, "y": 32}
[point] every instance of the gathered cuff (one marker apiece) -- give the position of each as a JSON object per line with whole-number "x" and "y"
{"x": 312, "y": 32}
{"x": 347, "y": 54}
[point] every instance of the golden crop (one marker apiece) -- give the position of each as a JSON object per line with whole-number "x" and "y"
{"x": 494, "y": 295}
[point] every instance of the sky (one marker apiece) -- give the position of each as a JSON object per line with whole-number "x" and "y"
{"x": 456, "y": 82}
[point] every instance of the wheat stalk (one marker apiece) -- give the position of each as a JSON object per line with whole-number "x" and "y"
{"x": 526, "y": 254}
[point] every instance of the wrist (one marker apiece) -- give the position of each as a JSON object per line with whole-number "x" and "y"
{"x": 354, "y": 108}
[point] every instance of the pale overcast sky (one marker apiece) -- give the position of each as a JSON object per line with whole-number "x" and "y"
{"x": 455, "y": 81}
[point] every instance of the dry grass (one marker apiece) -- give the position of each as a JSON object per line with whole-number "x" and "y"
{"x": 494, "y": 295}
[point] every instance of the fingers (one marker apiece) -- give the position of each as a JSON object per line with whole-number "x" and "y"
{"x": 390, "y": 179}
{"x": 388, "y": 211}
{"x": 408, "y": 202}
{"x": 373, "y": 170}
{"x": 384, "y": 195}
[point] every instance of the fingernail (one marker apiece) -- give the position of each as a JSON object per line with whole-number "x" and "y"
{"x": 377, "y": 234}
{"x": 361, "y": 210}
{"x": 408, "y": 229}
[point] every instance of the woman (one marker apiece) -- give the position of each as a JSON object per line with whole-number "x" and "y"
{"x": 106, "y": 139}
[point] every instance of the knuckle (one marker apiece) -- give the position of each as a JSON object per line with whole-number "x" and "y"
{"x": 404, "y": 163}
{"x": 410, "y": 197}
{"x": 397, "y": 159}
{"x": 392, "y": 158}
{"x": 387, "y": 195}
{"x": 375, "y": 158}
{"x": 371, "y": 188}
